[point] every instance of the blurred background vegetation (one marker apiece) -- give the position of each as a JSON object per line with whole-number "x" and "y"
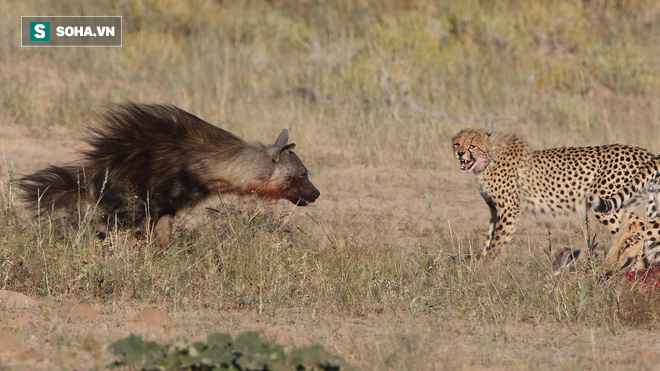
{"x": 563, "y": 72}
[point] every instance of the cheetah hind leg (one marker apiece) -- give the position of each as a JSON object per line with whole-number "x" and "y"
{"x": 637, "y": 243}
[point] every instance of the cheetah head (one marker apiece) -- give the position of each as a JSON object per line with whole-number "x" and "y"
{"x": 472, "y": 149}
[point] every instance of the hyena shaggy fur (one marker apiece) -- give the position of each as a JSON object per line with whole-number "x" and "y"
{"x": 151, "y": 161}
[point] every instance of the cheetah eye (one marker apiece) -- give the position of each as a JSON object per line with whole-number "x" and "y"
{"x": 456, "y": 145}
{"x": 472, "y": 146}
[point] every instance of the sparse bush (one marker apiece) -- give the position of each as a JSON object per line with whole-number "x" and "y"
{"x": 221, "y": 352}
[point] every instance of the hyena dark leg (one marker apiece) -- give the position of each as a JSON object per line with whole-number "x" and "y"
{"x": 162, "y": 231}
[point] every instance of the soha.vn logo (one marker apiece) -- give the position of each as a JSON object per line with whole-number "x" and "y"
{"x": 39, "y": 31}
{"x": 84, "y": 31}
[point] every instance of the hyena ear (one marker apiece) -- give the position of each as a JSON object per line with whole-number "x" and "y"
{"x": 281, "y": 150}
{"x": 282, "y": 139}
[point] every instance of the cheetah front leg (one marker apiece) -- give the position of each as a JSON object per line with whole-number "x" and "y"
{"x": 635, "y": 246}
{"x": 635, "y": 235}
{"x": 502, "y": 225}
{"x": 627, "y": 238}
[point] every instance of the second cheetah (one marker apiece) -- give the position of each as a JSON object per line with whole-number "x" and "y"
{"x": 640, "y": 242}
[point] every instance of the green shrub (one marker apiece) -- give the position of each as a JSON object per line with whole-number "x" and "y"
{"x": 220, "y": 352}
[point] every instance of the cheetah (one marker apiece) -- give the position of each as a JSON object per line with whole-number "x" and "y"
{"x": 512, "y": 177}
{"x": 641, "y": 241}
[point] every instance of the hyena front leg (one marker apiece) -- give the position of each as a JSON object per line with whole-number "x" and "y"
{"x": 502, "y": 225}
{"x": 162, "y": 231}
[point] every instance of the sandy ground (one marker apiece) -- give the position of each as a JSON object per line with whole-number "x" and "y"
{"x": 48, "y": 333}
{"x": 44, "y": 333}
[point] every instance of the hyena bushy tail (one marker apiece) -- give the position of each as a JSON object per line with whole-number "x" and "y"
{"x": 54, "y": 187}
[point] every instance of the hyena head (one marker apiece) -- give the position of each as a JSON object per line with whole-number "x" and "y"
{"x": 290, "y": 178}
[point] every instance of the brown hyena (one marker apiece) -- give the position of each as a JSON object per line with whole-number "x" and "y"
{"x": 154, "y": 160}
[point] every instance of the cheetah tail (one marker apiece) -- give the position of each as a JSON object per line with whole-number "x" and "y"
{"x": 605, "y": 206}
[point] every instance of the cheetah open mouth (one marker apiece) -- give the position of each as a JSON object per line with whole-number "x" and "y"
{"x": 466, "y": 165}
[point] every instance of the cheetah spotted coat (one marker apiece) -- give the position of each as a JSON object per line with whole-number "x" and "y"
{"x": 512, "y": 177}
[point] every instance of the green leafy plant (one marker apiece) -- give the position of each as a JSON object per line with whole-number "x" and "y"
{"x": 221, "y": 352}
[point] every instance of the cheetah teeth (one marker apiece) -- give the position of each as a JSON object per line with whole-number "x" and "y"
{"x": 466, "y": 164}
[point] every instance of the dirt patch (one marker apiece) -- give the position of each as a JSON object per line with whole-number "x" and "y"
{"x": 15, "y": 352}
{"x": 19, "y": 320}
{"x": 154, "y": 317}
{"x": 9, "y": 342}
{"x": 91, "y": 345}
{"x": 81, "y": 312}
{"x": 16, "y": 299}
{"x": 29, "y": 356}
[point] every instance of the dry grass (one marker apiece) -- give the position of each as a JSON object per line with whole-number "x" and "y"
{"x": 560, "y": 72}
